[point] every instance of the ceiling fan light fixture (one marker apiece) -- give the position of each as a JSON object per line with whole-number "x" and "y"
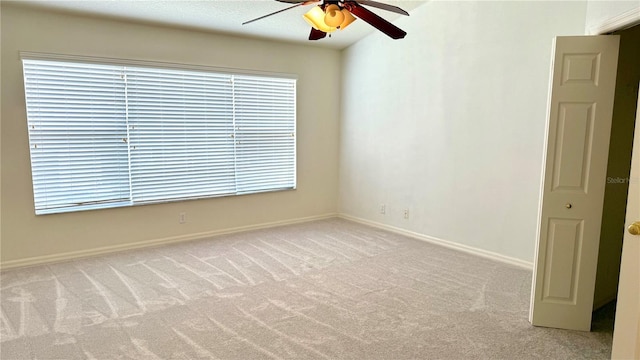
{"x": 348, "y": 19}
{"x": 315, "y": 18}
{"x": 339, "y": 14}
{"x": 333, "y": 16}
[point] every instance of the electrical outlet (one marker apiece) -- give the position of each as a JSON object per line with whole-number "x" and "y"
{"x": 406, "y": 213}
{"x": 182, "y": 217}
{"x": 383, "y": 209}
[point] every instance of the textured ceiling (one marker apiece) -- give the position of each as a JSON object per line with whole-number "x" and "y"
{"x": 225, "y": 17}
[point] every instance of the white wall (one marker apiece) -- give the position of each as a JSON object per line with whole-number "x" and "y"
{"x": 449, "y": 122}
{"x": 600, "y": 11}
{"x": 25, "y": 235}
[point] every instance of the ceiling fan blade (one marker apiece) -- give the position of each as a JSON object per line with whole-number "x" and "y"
{"x": 316, "y": 34}
{"x": 380, "y": 5}
{"x": 273, "y": 13}
{"x": 376, "y": 21}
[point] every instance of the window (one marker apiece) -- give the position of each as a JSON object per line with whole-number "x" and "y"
{"x": 107, "y": 135}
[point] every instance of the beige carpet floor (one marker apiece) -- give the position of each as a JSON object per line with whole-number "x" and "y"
{"x": 329, "y": 289}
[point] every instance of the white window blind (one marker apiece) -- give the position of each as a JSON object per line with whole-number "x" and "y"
{"x": 76, "y": 134}
{"x": 118, "y": 135}
{"x": 265, "y": 133}
{"x": 181, "y": 131}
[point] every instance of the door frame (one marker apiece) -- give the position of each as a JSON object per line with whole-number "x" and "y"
{"x": 622, "y": 21}
{"x": 622, "y": 346}
{"x": 619, "y": 22}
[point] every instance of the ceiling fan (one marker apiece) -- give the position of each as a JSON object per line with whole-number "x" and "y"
{"x": 330, "y": 15}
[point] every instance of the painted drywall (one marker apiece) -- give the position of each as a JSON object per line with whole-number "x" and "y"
{"x": 601, "y": 11}
{"x": 25, "y": 235}
{"x": 619, "y": 167}
{"x": 449, "y": 122}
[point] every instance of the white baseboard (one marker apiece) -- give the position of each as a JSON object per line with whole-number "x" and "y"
{"x": 47, "y": 259}
{"x": 446, "y": 243}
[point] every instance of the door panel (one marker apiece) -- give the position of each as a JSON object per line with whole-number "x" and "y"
{"x": 578, "y": 131}
{"x": 565, "y": 238}
{"x": 574, "y": 141}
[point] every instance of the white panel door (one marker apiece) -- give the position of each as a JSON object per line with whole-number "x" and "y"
{"x": 626, "y": 335}
{"x": 577, "y": 147}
